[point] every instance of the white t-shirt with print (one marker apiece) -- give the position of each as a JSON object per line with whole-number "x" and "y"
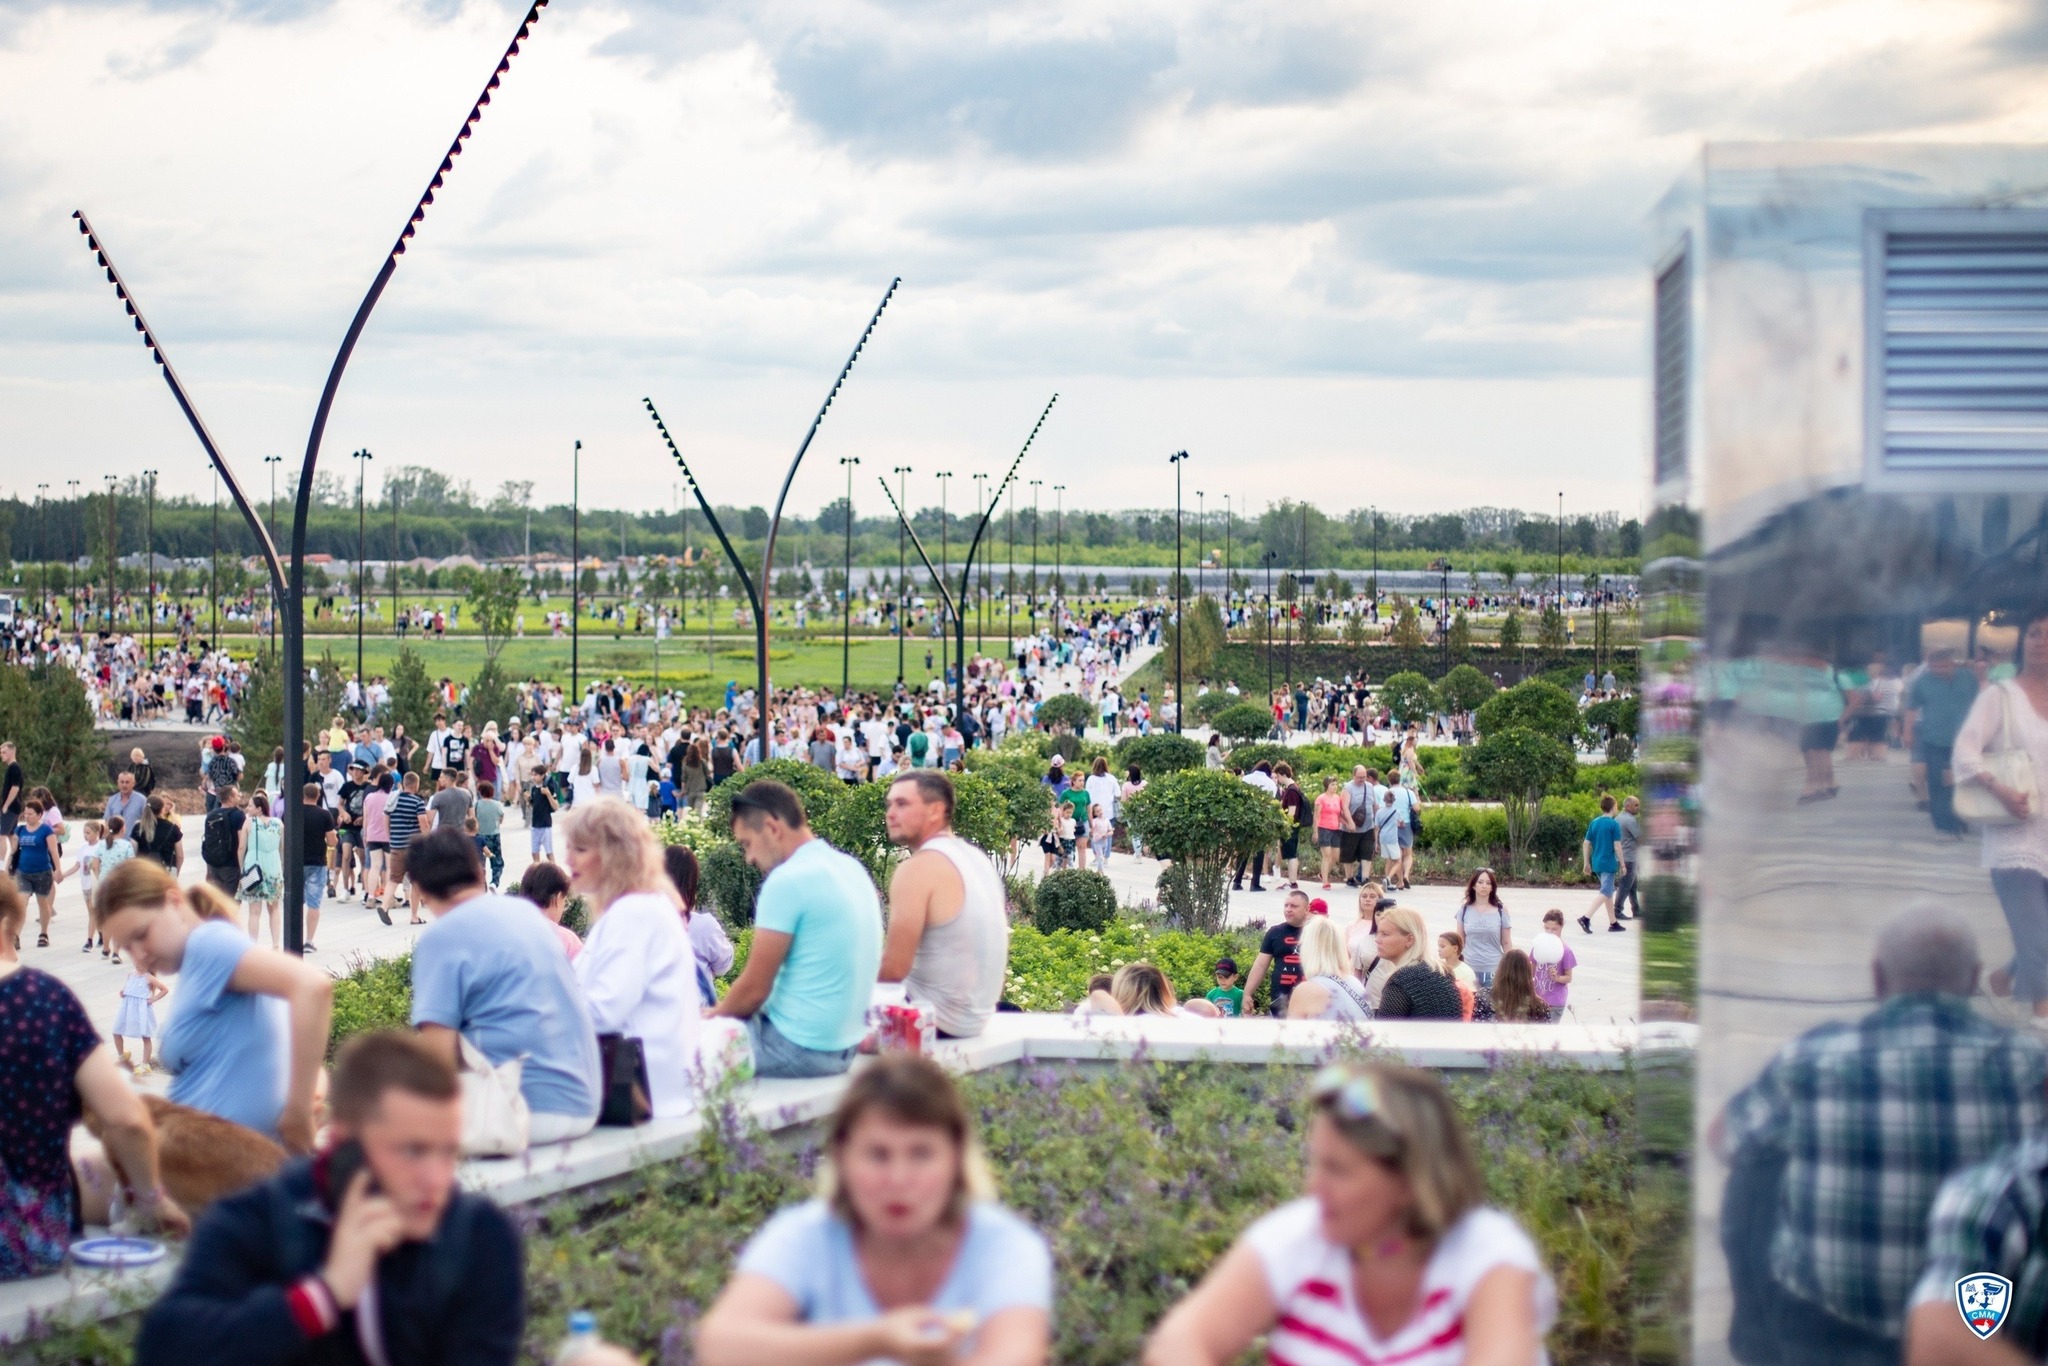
{"x": 1320, "y": 1324}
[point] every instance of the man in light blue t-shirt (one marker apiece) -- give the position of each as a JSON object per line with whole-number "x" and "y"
{"x": 491, "y": 969}
{"x": 817, "y": 941}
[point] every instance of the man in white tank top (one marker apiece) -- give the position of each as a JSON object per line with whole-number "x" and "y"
{"x": 949, "y": 938}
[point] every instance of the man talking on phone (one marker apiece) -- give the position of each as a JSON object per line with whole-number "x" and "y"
{"x": 364, "y": 1253}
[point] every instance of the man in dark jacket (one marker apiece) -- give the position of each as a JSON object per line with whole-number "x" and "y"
{"x": 364, "y": 1253}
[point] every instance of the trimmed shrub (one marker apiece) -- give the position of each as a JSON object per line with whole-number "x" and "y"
{"x": 1204, "y": 708}
{"x": 1073, "y": 899}
{"x": 1410, "y": 696}
{"x": 376, "y": 993}
{"x": 818, "y": 788}
{"x": 1157, "y": 755}
{"x": 1245, "y": 721}
{"x": 729, "y": 883}
{"x": 1536, "y": 706}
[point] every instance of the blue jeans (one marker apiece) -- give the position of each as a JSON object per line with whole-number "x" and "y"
{"x": 776, "y": 1056}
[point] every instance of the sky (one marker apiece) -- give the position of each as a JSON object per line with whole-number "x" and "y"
{"x": 1363, "y": 253}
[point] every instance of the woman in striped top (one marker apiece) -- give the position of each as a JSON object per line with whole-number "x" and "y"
{"x": 1391, "y": 1257}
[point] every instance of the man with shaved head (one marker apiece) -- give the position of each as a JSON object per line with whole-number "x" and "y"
{"x": 1839, "y": 1145}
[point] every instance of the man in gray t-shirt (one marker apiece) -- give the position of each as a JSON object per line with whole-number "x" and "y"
{"x": 450, "y": 805}
{"x": 1355, "y": 847}
{"x": 1631, "y": 844}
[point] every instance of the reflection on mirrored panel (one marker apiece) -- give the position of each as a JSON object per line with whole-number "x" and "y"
{"x": 1844, "y": 580}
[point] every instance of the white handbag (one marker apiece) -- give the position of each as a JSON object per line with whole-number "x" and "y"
{"x": 2009, "y": 765}
{"x": 495, "y": 1119}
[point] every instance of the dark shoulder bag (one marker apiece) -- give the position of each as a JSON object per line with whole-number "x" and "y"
{"x": 622, "y": 1062}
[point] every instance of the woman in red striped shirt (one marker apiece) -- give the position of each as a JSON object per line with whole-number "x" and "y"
{"x": 1392, "y": 1258}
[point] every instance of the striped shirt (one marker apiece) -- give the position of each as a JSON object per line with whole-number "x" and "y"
{"x": 1991, "y": 1217}
{"x": 1319, "y": 1322}
{"x": 403, "y": 816}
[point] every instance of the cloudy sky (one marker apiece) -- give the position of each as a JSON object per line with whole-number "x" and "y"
{"x": 1369, "y": 252}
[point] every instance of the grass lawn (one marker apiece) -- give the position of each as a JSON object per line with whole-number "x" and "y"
{"x": 682, "y": 659}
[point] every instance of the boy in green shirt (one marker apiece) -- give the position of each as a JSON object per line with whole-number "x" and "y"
{"x": 1227, "y": 996}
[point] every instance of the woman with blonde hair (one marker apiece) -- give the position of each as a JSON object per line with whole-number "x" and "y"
{"x": 248, "y": 1029}
{"x": 638, "y": 974}
{"x": 1392, "y": 1253}
{"x": 1416, "y": 988}
{"x": 1329, "y": 989}
{"x": 1142, "y": 989}
{"x": 904, "y": 1255}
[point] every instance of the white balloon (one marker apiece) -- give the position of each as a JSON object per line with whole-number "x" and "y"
{"x": 1547, "y": 950}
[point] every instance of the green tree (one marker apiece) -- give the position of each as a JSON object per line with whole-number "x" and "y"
{"x": 1068, "y": 711}
{"x": 1202, "y": 820}
{"x": 413, "y": 699}
{"x": 1511, "y": 630}
{"x": 818, "y": 789}
{"x": 1532, "y": 705}
{"x": 1202, "y": 630}
{"x": 494, "y": 607}
{"x": 492, "y": 697}
{"x": 1408, "y": 627}
{"x": 1409, "y": 695}
{"x": 258, "y": 721}
{"x": 1517, "y": 766}
{"x": 1461, "y": 635}
{"x": 1550, "y": 628}
{"x": 48, "y": 716}
{"x": 1465, "y": 688}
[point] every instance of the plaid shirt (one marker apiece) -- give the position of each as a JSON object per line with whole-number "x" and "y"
{"x": 1990, "y": 1218}
{"x": 1872, "y": 1116}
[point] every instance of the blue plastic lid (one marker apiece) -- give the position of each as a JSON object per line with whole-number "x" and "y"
{"x": 582, "y": 1321}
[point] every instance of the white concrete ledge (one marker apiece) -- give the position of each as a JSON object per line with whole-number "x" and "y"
{"x": 607, "y": 1154}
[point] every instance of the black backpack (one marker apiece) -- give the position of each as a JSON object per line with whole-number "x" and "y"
{"x": 217, "y": 844}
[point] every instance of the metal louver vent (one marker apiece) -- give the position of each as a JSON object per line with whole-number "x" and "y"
{"x": 1958, "y": 358}
{"x": 1672, "y": 364}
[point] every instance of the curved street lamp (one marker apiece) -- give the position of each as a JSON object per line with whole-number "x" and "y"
{"x": 289, "y": 583}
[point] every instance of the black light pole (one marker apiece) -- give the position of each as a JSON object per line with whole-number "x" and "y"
{"x": 76, "y": 499}
{"x": 392, "y": 568}
{"x": 1201, "y": 549}
{"x": 1271, "y": 555}
{"x": 362, "y": 459}
{"x": 846, "y": 588}
{"x": 981, "y": 589}
{"x": 1034, "y": 554}
{"x": 276, "y": 599}
{"x": 967, "y": 569}
{"x": 149, "y": 550}
{"x": 1443, "y": 607}
{"x": 945, "y": 563}
{"x": 1375, "y": 566}
{"x": 1180, "y": 620}
{"x": 902, "y": 598}
{"x": 213, "y": 562}
{"x": 1010, "y": 577}
{"x": 1227, "y": 588}
{"x": 1558, "y": 591}
{"x": 113, "y": 552}
{"x": 43, "y": 548}
{"x": 575, "y": 574}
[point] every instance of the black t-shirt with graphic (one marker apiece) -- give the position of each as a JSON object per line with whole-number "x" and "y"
{"x": 1283, "y": 945}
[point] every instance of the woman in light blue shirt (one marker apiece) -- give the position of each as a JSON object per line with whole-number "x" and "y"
{"x": 904, "y": 1256}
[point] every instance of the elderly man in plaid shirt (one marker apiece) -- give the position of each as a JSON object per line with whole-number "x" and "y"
{"x": 1868, "y": 1118}
{"x": 1992, "y": 1217}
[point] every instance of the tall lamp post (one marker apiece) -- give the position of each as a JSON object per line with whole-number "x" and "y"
{"x": 70, "y": 560}
{"x": 575, "y": 574}
{"x": 149, "y": 551}
{"x": 902, "y": 598}
{"x": 1227, "y": 588}
{"x": 847, "y": 462}
{"x": 945, "y": 563}
{"x": 1201, "y": 547}
{"x": 213, "y": 562}
{"x": 1443, "y": 608}
{"x": 981, "y": 589}
{"x": 1557, "y": 592}
{"x": 43, "y": 548}
{"x": 391, "y": 570}
{"x": 362, "y": 459}
{"x": 739, "y": 566}
{"x": 1010, "y": 576}
{"x": 113, "y": 552}
{"x": 1180, "y": 620}
{"x": 1271, "y": 555}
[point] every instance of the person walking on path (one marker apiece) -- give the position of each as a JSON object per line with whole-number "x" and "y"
{"x": 1600, "y": 853}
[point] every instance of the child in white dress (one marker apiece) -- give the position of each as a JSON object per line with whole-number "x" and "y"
{"x": 88, "y": 868}
{"x": 137, "y": 1017}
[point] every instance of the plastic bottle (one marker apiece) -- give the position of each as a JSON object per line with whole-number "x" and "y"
{"x": 582, "y": 1337}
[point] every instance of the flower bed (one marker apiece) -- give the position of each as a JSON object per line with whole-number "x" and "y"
{"x": 1140, "y": 1177}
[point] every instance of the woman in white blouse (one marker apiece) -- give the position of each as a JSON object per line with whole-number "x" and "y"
{"x": 2014, "y": 714}
{"x": 638, "y": 974}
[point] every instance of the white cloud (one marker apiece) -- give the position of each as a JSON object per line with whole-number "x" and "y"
{"x": 1390, "y": 249}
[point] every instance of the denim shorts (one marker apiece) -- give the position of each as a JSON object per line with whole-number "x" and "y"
{"x": 776, "y": 1056}
{"x": 315, "y": 883}
{"x": 1607, "y": 884}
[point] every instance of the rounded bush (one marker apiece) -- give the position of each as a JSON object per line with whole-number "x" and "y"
{"x": 1245, "y": 721}
{"x": 1074, "y": 899}
{"x": 818, "y": 789}
{"x": 1065, "y": 709}
{"x": 729, "y": 883}
{"x": 1157, "y": 755}
{"x": 1204, "y": 708}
